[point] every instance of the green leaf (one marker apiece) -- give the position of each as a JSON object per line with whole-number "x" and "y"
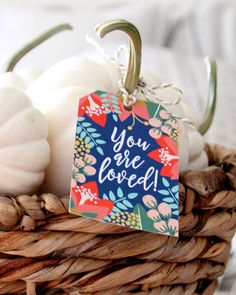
{"x": 72, "y": 204}
{"x": 100, "y": 150}
{"x": 87, "y": 139}
{"x": 116, "y": 210}
{"x": 145, "y": 222}
{"x": 132, "y": 196}
{"x": 89, "y": 215}
{"x": 165, "y": 182}
{"x": 168, "y": 200}
{"x": 176, "y": 212}
{"x": 95, "y": 135}
{"x": 105, "y": 197}
{"x": 91, "y": 130}
{"x": 163, "y": 192}
{"x": 121, "y": 206}
{"x": 128, "y": 204}
{"x": 102, "y": 94}
{"x": 80, "y": 119}
{"x": 82, "y": 134}
{"x": 115, "y": 118}
{"x": 112, "y": 196}
{"x": 100, "y": 141}
{"x": 105, "y": 105}
{"x": 175, "y": 189}
{"x": 177, "y": 195}
{"x": 78, "y": 129}
{"x": 120, "y": 193}
{"x": 105, "y": 100}
{"x": 173, "y": 206}
{"x": 115, "y": 102}
{"x": 152, "y": 107}
{"x": 91, "y": 145}
{"x": 107, "y": 111}
{"x": 86, "y": 124}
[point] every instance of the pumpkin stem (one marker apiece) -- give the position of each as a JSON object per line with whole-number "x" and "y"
{"x": 212, "y": 96}
{"x": 131, "y": 77}
{"x": 16, "y": 57}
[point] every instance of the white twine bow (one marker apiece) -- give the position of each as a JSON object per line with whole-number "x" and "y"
{"x": 149, "y": 91}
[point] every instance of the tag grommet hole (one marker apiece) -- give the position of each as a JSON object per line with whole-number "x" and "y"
{"x": 128, "y": 107}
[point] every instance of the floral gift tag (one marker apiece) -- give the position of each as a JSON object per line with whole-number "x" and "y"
{"x": 125, "y": 165}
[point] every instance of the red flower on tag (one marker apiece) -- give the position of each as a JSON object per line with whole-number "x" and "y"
{"x": 91, "y": 105}
{"x": 167, "y": 155}
{"x": 86, "y": 200}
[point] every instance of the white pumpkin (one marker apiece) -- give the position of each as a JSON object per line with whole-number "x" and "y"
{"x": 19, "y": 79}
{"x": 56, "y": 93}
{"x": 24, "y": 149}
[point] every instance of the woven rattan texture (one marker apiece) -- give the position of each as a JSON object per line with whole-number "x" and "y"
{"x": 44, "y": 250}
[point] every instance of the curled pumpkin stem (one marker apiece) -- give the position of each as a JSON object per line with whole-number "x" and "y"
{"x": 212, "y": 96}
{"x": 10, "y": 65}
{"x": 132, "y": 74}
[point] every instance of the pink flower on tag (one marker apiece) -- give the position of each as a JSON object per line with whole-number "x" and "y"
{"x": 160, "y": 226}
{"x": 166, "y": 130}
{"x": 154, "y": 215}
{"x": 173, "y": 123}
{"x": 89, "y": 171}
{"x": 79, "y": 163}
{"x": 164, "y": 114}
{"x": 155, "y": 133}
{"x": 149, "y": 201}
{"x": 90, "y": 159}
{"x": 173, "y": 224}
{"x": 165, "y": 210}
{"x": 80, "y": 177}
{"x": 155, "y": 122}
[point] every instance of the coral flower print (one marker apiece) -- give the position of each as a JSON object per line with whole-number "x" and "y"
{"x": 87, "y": 201}
{"x": 167, "y": 155}
{"x": 92, "y": 106}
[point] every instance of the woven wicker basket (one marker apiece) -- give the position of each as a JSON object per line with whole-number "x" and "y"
{"x": 44, "y": 250}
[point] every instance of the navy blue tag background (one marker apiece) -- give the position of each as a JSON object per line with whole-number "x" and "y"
{"x": 155, "y": 210}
